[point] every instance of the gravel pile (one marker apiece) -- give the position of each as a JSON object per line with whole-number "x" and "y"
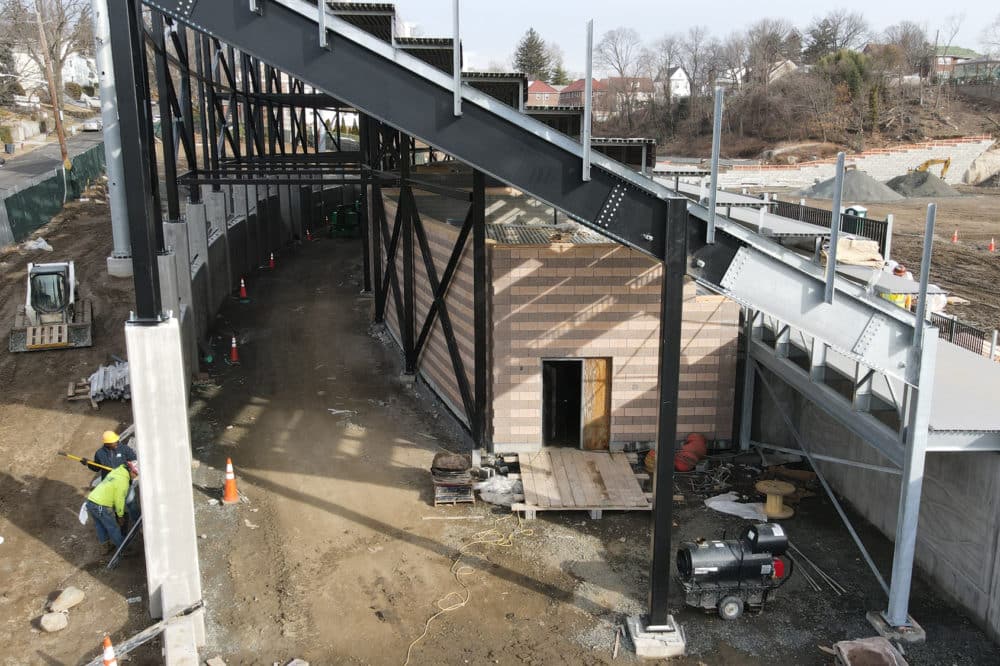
{"x": 858, "y": 186}
{"x": 921, "y": 184}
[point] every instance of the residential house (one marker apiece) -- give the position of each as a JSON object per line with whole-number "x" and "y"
{"x": 77, "y": 68}
{"x": 640, "y": 88}
{"x": 673, "y": 83}
{"x": 948, "y": 56}
{"x": 541, "y": 93}
{"x": 572, "y": 95}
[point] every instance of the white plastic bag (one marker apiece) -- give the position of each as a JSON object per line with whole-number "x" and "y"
{"x": 83, "y": 514}
{"x": 37, "y": 244}
{"x": 727, "y": 503}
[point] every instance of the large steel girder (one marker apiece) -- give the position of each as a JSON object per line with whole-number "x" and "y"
{"x": 393, "y": 87}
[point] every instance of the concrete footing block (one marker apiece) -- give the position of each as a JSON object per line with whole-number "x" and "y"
{"x": 120, "y": 267}
{"x": 908, "y": 633}
{"x": 408, "y": 378}
{"x": 663, "y": 643}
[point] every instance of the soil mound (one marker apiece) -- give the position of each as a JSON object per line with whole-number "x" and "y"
{"x": 858, "y": 186}
{"x": 921, "y": 184}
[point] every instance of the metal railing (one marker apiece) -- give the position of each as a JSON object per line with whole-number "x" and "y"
{"x": 967, "y": 336}
{"x": 866, "y": 227}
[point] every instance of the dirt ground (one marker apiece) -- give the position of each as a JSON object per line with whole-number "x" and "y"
{"x": 966, "y": 268}
{"x": 331, "y": 558}
{"x": 45, "y": 548}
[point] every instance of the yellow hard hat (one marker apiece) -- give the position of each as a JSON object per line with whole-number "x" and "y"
{"x": 110, "y": 437}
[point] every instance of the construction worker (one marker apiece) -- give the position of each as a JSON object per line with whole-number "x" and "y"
{"x": 112, "y": 454}
{"x": 106, "y": 504}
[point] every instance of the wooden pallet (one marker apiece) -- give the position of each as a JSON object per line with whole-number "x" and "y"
{"x": 571, "y": 480}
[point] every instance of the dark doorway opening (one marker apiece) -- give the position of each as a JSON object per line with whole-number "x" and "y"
{"x": 562, "y": 388}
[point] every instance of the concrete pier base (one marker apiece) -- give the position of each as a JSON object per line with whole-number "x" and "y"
{"x": 659, "y": 642}
{"x": 120, "y": 267}
{"x": 159, "y": 407}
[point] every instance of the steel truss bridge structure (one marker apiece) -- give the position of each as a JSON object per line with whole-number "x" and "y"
{"x": 263, "y": 85}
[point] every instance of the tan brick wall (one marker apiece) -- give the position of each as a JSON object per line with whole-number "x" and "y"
{"x": 572, "y": 301}
{"x": 435, "y": 364}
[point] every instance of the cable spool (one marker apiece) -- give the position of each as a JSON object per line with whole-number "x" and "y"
{"x": 775, "y": 490}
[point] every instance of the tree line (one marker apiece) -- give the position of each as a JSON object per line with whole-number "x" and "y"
{"x": 836, "y": 79}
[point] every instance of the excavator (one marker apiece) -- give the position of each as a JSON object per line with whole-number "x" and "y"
{"x": 944, "y": 162}
{"x": 53, "y": 315}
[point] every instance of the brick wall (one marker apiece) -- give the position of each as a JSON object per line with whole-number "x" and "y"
{"x": 434, "y": 364}
{"x": 603, "y": 301}
{"x": 879, "y": 164}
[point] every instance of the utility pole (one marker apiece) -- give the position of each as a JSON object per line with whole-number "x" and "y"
{"x": 43, "y": 44}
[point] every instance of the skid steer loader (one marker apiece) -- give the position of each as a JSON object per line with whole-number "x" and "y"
{"x": 53, "y": 316}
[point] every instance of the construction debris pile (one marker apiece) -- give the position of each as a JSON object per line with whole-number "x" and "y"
{"x": 111, "y": 382}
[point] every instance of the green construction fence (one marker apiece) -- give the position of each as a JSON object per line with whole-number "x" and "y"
{"x": 30, "y": 208}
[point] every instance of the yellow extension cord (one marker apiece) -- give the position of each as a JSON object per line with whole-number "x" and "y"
{"x": 492, "y": 537}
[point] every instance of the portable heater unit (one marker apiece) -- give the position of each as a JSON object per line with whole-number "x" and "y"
{"x": 734, "y": 574}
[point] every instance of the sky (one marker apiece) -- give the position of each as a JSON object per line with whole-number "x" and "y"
{"x": 491, "y": 28}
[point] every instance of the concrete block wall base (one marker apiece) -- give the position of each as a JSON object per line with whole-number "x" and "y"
{"x": 913, "y": 633}
{"x": 179, "y": 643}
{"x": 120, "y": 267}
{"x": 656, "y": 644}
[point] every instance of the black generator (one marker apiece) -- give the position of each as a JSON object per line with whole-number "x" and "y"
{"x": 734, "y": 574}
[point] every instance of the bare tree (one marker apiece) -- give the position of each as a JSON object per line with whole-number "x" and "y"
{"x": 68, "y": 30}
{"x": 838, "y": 29}
{"x": 664, "y": 56}
{"x": 990, "y": 38}
{"x": 694, "y": 59}
{"x": 620, "y": 52}
{"x": 733, "y": 56}
{"x": 768, "y": 42}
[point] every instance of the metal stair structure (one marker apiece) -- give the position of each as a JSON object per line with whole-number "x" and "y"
{"x": 793, "y": 330}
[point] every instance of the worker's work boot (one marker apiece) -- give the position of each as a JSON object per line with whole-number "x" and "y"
{"x": 109, "y": 548}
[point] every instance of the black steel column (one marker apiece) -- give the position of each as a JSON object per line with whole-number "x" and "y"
{"x": 208, "y": 62}
{"x": 377, "y": 212}
{"x": 671, "y": 306}
{"x": 181, "y": 45}
{"x": 365, "y": 145}
{"x": 166, "y": 119}
{"x": 408, "y": 324}
{"x": 134, "y": 122}
{"x": 480, "y": 288}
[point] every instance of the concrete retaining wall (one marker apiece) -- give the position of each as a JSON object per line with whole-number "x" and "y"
{"x": 879, "y": 164}
{"x": 958, "y": 540}
{"x": 227, "y": 236}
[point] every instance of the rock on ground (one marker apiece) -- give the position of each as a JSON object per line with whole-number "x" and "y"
{"x": 68, "y": 598}
{"x": 52, "y": 622}
{"x": 215, "y": 661}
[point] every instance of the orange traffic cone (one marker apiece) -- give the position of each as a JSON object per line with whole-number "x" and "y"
{"x": 270, "y": 262}
{"x": 993, "y": 245}
{"x": 234, "y": 353}
{"x": 109, "y": 653}
{"x": 229, "y": 492}
{"x": 954, "y": 236}
{"x": 244, "y": 297}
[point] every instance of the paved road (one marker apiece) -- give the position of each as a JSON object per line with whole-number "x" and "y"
{"x": 21, "y": 169}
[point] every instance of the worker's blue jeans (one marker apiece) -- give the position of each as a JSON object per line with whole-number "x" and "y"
{"x": 105, "y": 523}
